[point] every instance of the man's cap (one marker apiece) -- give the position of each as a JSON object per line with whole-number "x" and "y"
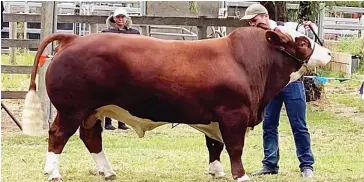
{"x": 254, "y": 10}
{"x": 120, "y": 11}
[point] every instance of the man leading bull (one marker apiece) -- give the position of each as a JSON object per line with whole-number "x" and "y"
{"x": 294, "y": 99}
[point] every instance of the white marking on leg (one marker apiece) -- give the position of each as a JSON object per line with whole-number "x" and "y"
{"x": 52, "y": 166}
{"x": 244, "y": 178}
{"x": 103, "y": 164}
{"x": 216, "y": 169}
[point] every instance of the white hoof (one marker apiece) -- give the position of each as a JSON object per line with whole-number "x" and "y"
{"x": 110, "y": 178}
{"x": 216, "y": 169}
{"x": 55, "y": 178}
{"x": 244, "y": 178}
{"x": 103, "y": 165}
{"x": 52, "y": 167}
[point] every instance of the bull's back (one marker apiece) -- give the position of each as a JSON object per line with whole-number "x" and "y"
{"x": 139, "y": 73}
{"x": 147, "y": 59}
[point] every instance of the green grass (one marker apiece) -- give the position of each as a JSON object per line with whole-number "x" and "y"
{"x": 16, "y": 82}
{"x": 346, "y": 93}
{"x": 21, "y": 58}
{"x": 180, "y": 154}
{"x": 354, "y": 46}
{"x": 328, "y": 73}
{"x": 350, "y": 102}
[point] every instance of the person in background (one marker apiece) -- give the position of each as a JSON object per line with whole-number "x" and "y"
{"x": 294, "y": 99}
{"x": 119, "y": 22}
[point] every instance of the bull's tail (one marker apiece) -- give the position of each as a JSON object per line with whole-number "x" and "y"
{"x": 33, "y": 118}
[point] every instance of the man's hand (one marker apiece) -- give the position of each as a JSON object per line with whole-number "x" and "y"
{"x": 307, "y": 25}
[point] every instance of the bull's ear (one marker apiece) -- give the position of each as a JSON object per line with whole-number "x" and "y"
{"x": 274, "y": 38}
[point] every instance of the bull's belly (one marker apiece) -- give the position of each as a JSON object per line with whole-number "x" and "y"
{"x": 140, "y": 125}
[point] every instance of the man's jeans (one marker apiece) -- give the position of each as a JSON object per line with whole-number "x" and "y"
{"x": 293, "y": 96}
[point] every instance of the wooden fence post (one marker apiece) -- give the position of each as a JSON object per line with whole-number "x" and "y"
{"x": 202, "y": 30}
{"x": 47, "y": 23}
{"x": 76, "y": 26}
{"x": 13, "y": 29}
{"x": 47, "y": 26}
{"x": 362, "y": 23}
{"x": 46, "y": 106}
{"x": 145, "y": 29}
{"x": 321, "y": 21}
{"x": 93, "y": 28}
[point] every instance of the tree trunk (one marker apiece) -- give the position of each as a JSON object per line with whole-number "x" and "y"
{"x": 281, "y": 10}
{"x": 269, "y": 5}
{"x": 276, "y": 9}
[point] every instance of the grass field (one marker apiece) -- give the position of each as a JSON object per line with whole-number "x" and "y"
{"x": 179, "y": 154}
{"x": 16, "y": 82}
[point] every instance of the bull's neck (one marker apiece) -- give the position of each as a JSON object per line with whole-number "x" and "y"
{"x": 267, "y": 69}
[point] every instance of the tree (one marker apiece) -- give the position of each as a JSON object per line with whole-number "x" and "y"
{"x": 304, "y": 10}
{"x": 269, "y": 5}
{"x": 280, "y": 10}
{"x": 276, "y": 9}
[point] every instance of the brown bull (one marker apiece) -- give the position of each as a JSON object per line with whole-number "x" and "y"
{"x": 218, "y": 86}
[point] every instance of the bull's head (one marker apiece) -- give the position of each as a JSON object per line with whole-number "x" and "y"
{"x": 299, "y": 46}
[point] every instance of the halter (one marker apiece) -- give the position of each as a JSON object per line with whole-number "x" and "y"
{"x": 317, "y": 39}
{"x": 302, "y": 62}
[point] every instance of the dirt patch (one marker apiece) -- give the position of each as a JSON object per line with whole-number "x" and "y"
{"x": 341, "y": 110}
{"x": 346, "y": 112}
{"x": 15, "y": 106}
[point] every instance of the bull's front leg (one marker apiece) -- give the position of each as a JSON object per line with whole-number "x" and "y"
{"x": 233, "y": 126}
{"x": 215, "y": 148}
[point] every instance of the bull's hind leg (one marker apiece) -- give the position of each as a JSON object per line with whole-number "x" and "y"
{"x": 92, "y": 138}
{"x": 59, "y": 133}
{"x": 215, "y": 148}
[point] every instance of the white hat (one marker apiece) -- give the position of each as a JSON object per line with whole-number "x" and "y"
{"x": 254, "y": 10}
{"x": 120, "y": 11}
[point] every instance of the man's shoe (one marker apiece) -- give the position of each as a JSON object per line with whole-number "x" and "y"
{"x": 109, "y": 127}
{"x": 123, "y": 127}
{"x": 264, "y": 171}
{"x": 307, "y": 173}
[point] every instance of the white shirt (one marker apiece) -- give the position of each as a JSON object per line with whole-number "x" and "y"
{"x": 293, "y": 26}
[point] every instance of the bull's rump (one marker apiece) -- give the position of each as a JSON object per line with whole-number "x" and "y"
{"x": 155, "y": 79}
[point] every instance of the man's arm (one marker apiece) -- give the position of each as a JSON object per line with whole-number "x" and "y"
{"x": 302, "y": 28}
{"x": 308, "y": 29}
